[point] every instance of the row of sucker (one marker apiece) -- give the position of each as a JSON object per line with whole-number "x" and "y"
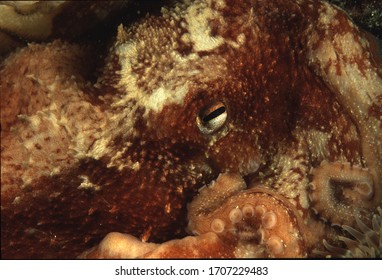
{"x": 257, "y": 218}
{"x": 340, "y": 192}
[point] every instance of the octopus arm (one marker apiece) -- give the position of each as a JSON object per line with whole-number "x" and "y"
{"x": 117, "y": 245}
{"x": 258, "y": 222}
{"x": 344, "y": 58}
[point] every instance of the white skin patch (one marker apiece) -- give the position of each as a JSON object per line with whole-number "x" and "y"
{"x": 327, "y": 15}
{"x": 162, "y": 96}
{"x": 197, "y": 18}
{"x": 127, "y": 54}
{"x": 220, "y": 4}
{"x": 172, "y": 90}
{"x": 87, "y": 184}
{"x": 318, "y": 141}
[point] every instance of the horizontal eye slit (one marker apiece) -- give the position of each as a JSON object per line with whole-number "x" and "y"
{"x": 214, "y": 114}
{"x": 212, "y": 117}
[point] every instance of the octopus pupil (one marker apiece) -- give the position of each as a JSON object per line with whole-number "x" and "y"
{"x": 214, "y": 114}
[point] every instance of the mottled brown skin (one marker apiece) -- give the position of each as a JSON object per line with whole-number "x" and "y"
{"x": 91, "y": 214}
{"x": 366, "y": 13}
{"x": 269, "y": 91}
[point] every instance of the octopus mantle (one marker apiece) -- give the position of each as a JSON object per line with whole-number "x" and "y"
{"x": 214, "y": 129}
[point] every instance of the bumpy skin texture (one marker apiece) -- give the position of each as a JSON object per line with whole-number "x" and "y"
{"x": 301, "y": 90}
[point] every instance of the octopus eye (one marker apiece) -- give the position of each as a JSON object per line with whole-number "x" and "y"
{"x": 212, "y": 117}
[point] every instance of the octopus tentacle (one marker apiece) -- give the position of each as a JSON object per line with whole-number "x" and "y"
{"x": 357, "y": 85}
{"x": 121, "y": 138}
{"x": 118, "y": 245}
{"x": 234, "y": 184}
{"x": 339, "y": 191}
{"x": 259, "y": 220}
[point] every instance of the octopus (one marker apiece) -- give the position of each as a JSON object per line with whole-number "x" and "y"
{"x": 367, "y": 14}
{"x": 213, "y": 129}
{"x": 38, "y": 21}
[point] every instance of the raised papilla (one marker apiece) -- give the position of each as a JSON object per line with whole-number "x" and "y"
{"x": 281, "y": 98}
